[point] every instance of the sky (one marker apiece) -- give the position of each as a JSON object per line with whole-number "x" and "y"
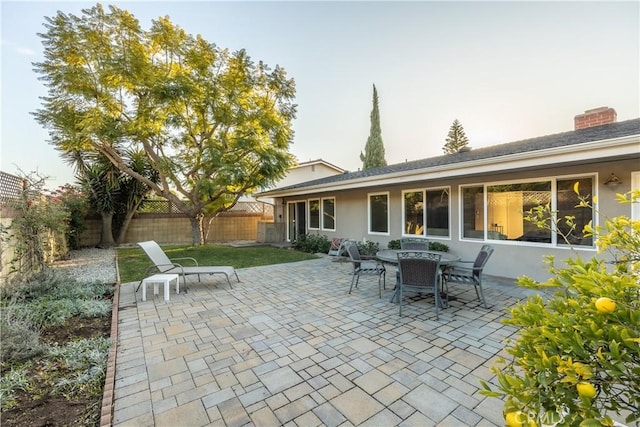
{"x": 506, "y": 70}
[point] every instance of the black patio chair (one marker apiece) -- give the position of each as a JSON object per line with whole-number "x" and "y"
{"x": 363, "y": 267}
{"x": 470, "y": 275}
{"x": 419, "y": 272}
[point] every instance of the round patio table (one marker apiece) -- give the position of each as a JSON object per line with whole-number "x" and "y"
{"x": 391, "y": 256}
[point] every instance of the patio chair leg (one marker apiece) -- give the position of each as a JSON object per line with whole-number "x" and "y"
{"x": 480, "y": 294}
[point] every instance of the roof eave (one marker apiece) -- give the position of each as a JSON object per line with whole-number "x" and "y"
{"x": 601, "y": 149}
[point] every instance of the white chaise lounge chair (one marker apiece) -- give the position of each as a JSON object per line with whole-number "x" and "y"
{"x": 162, "y": 264}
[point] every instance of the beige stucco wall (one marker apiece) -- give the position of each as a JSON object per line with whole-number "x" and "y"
{"x": 510, "y": 259}
{"x": 176, "y": 229}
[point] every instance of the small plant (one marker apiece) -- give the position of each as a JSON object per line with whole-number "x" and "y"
{"x": 85, "y": 362}
{"x": 14, "y": 380}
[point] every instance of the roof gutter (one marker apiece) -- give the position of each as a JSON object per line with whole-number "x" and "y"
{"x": 576, "y": 153}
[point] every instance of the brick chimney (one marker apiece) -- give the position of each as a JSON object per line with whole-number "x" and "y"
{"x": 595, "y": 117}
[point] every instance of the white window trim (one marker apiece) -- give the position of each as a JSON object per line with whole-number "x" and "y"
{"x": 635, "y": 185}
{"x": 335, "y": 216}
{"x": 379, "y": 233}
{"x": 309, "y": 214}
{"x": 554, "y": 203}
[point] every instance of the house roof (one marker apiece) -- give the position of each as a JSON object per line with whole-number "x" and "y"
{"x": 319, "y": 162}
{"x": 614, "y": 140}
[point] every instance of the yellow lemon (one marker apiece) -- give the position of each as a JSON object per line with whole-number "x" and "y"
{"x": 586, "y": 389}
{"x": 605, "y": 305}
{"x": 514, "y": 419}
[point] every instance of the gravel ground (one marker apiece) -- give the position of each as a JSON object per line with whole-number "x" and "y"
{"x": 90, "y": 265}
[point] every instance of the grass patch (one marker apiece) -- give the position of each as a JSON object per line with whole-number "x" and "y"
{"x": 133, "y": 262}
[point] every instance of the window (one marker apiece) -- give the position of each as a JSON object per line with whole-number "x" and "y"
{"x": 473, "y": 212}
{"x": 506, "y": 205}
{"x": 567, "y": 205}
{"x": 329, "y": 213}
{"x": 497, "y": 211}
{"x": 379, "y": 213}
{"x": 430, "y": 207}
{"x": 314, "y": 214}
{"x": 414, "y": 213}
{"x": 438, "y": 212}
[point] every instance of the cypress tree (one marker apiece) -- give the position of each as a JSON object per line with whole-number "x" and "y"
{"x": 456, "y": 139}
{"x": 374, "y": 149}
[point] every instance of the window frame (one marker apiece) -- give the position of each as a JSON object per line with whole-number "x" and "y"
{"x": 553, "y": 181}
{"x": 309, "y": 224}
{"x": 369, "y": 213}
{"x": 322, "y": 213}
{"x": 425, "y": 224}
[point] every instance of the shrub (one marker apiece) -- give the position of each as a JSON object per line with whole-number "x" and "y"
{"x": 312, "y": 243}
{"x": 368, "y": 247}
{"x": 434, "y": 246}
{"x": 576, "y": 358}
{"x": 20, "y": 337}
{"x": 394, "y": 244}
{"x": 438, "y": 246}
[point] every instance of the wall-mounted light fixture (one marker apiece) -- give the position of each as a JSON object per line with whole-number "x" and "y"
{"x": 613, "y": 182}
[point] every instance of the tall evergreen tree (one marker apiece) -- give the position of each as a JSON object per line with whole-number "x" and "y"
{"x": 374, "y": 149}
{"x": 456, "y": 139}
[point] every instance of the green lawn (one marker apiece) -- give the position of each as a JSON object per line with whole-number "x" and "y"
{"x": 133, "y": 262}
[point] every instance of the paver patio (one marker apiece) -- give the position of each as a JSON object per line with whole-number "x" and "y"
{"x": 289, "y": 346}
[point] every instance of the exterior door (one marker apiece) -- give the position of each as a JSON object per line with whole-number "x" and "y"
{"x": 296, "y": 220}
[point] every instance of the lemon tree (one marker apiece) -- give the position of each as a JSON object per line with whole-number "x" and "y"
{"x": 576, "y": 356}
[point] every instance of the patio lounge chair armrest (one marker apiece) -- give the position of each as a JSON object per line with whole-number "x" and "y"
{"x": 189, "y": 258}
{"x": 156, "y": 266}
{"x": 459, "y": 268}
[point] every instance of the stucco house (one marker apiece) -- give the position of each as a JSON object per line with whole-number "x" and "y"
{"x": 478, "y": 196}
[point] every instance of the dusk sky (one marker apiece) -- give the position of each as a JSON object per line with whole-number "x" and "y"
{"x": 506, "y": 70}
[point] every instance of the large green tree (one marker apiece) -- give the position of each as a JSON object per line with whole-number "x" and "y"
{"x": 373, "y": 155}
{"x": 456, "y": 138}
{"x": 213, "y": 124}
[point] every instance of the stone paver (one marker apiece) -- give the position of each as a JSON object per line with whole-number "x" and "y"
{"x": 288, "y": 346}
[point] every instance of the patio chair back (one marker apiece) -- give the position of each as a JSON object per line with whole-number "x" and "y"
{"x": 481, "y": 260}
{"x": 419, "y": 272}
{"x": 471, "y": 275}
{"x": 414, "y": 244}
{"x": 157, "y": 256}
{"x": 362, "y": 267}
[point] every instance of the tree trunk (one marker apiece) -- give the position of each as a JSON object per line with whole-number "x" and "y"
{"x": 124, "y": 227}
{"x": 197, "y": 229}
{"x": 106, "y": 236}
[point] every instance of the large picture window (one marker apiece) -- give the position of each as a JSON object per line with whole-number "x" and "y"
{"x": 314, "y": 214}
{"x": 329, "y": 213}
{"x": 497, "y": 212}
{"x": 506, "y": 205}
{"x": 379, "y": 213}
